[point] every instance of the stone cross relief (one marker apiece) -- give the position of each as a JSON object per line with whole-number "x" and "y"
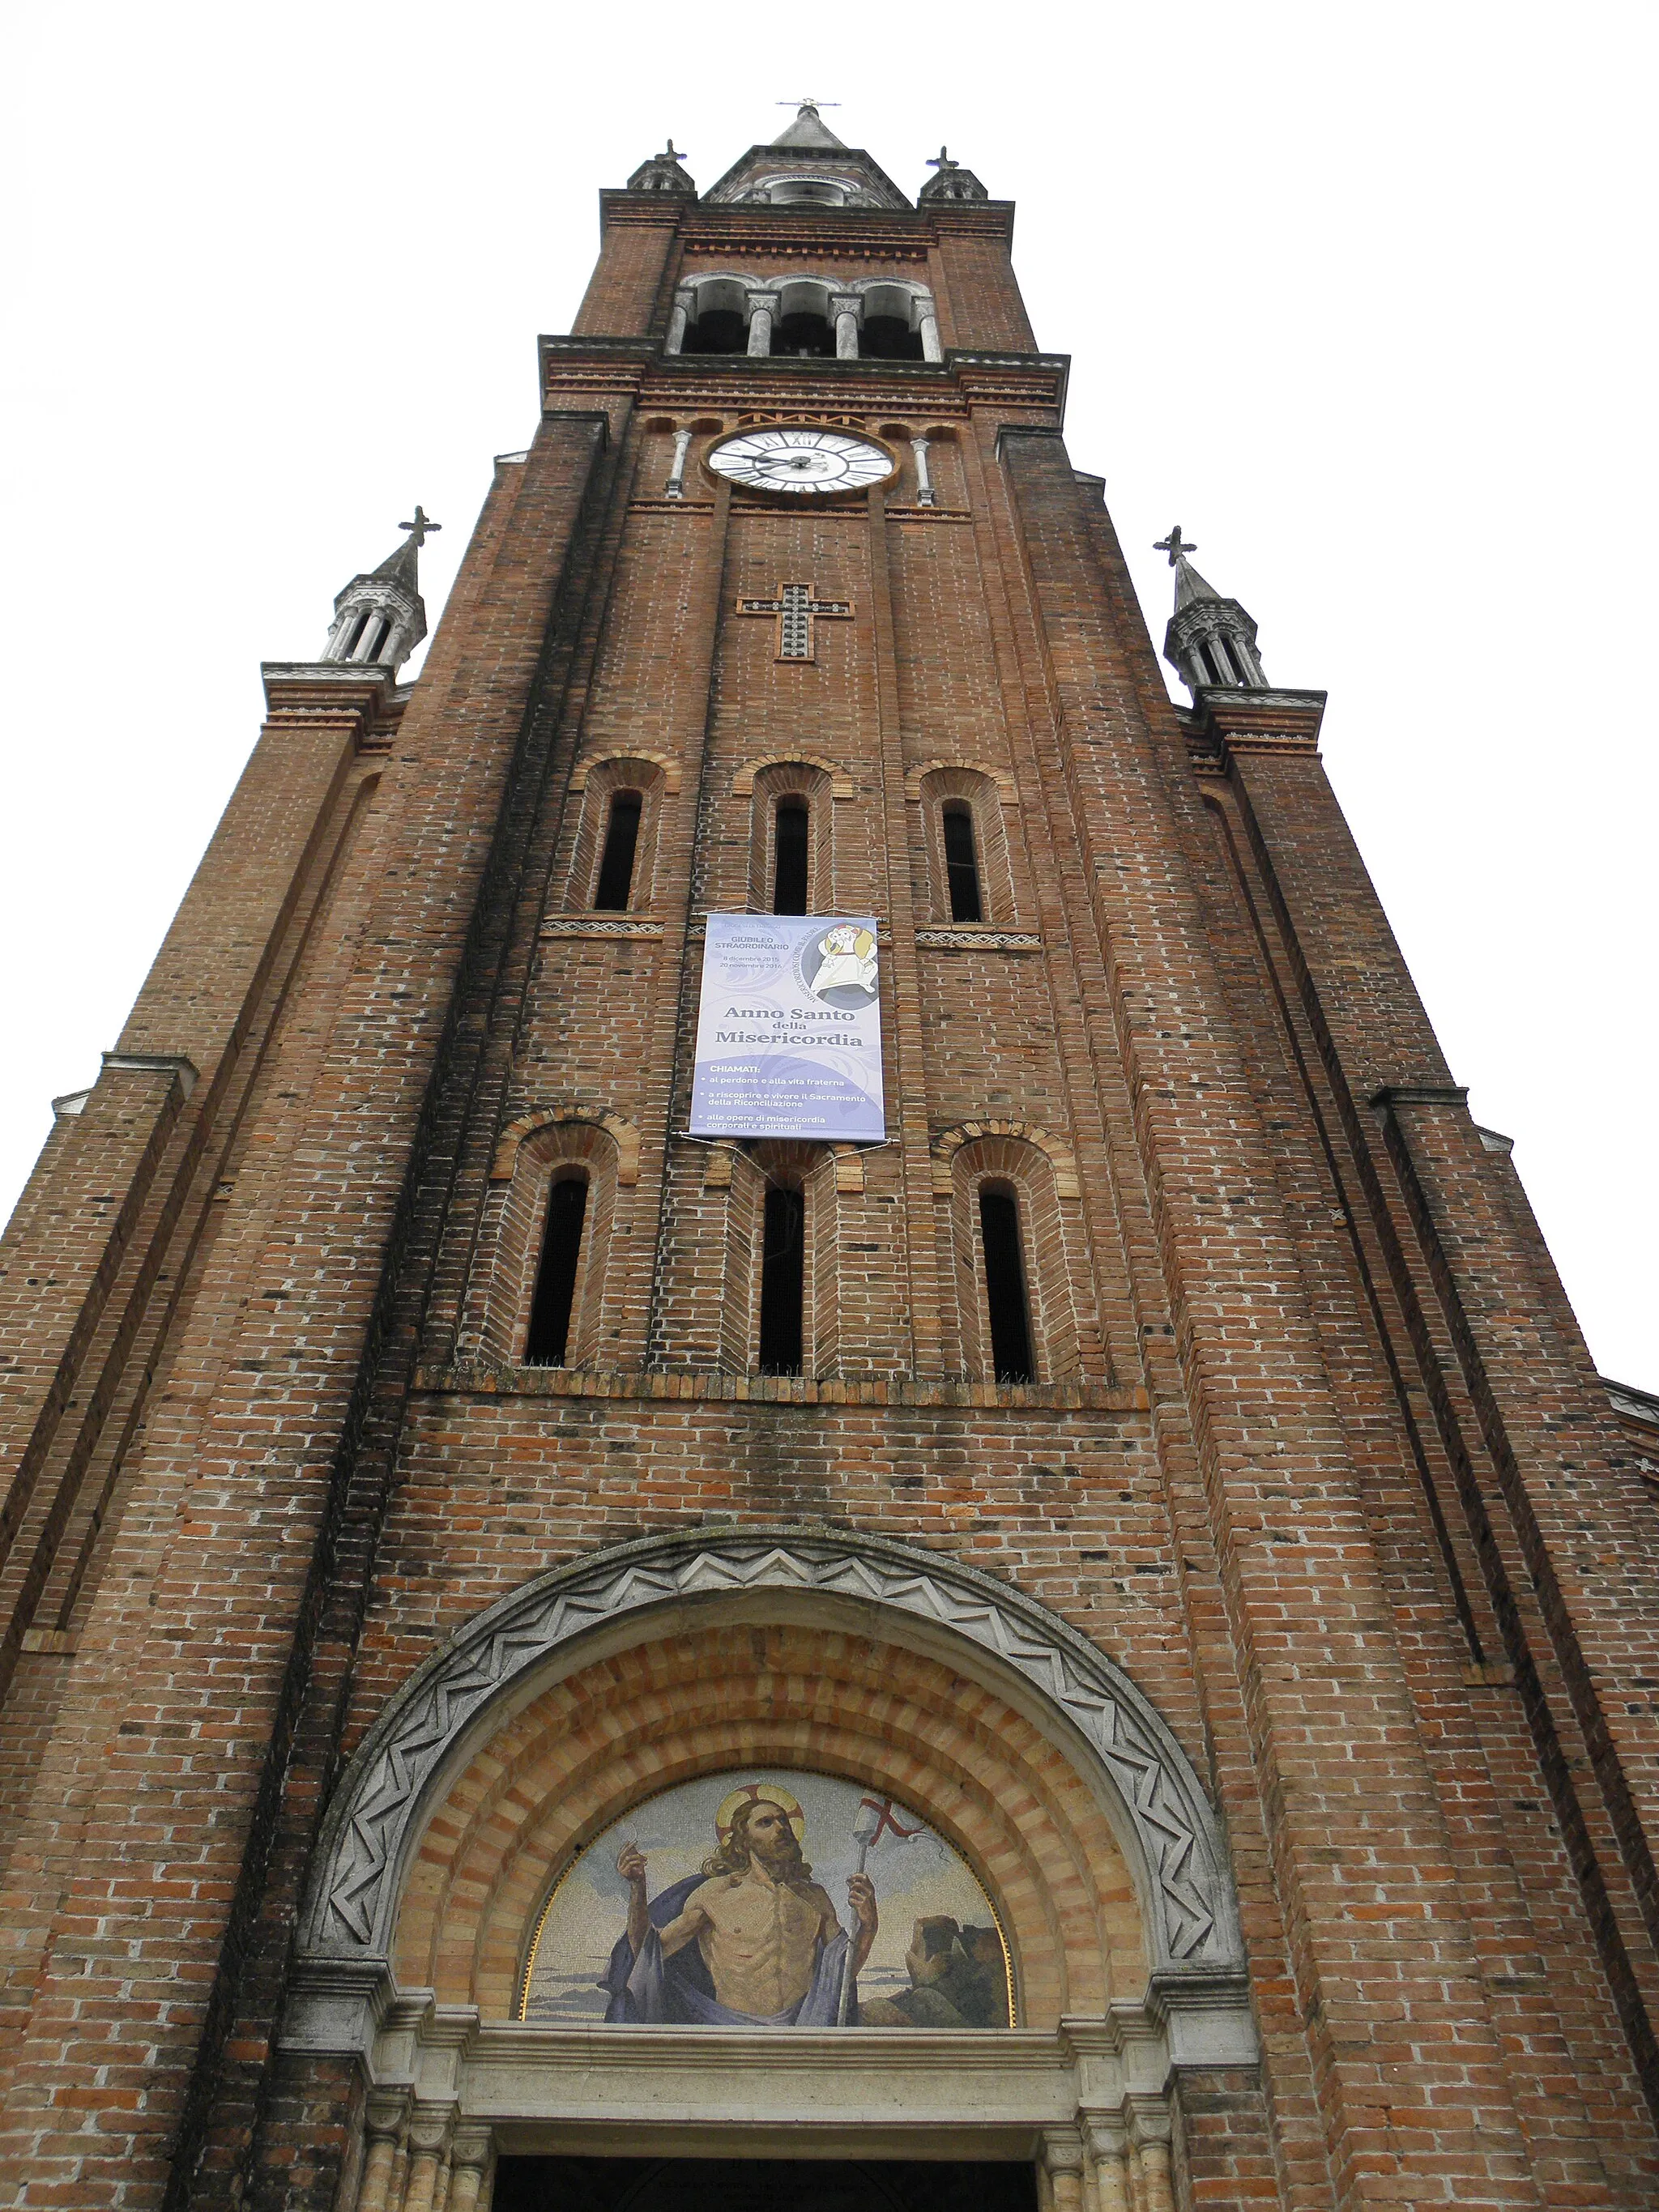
{"x": 797, "y": 613}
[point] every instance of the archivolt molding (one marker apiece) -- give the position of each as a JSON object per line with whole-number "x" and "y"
{"x": 743, "y": 784}
{"x": 1054, "y": 1148}
{"x": 1006, "y": 789}
{"x": 1164, "y": 1819}
{"x": 670, "y": 767}
{"x": 623, "y": 1133}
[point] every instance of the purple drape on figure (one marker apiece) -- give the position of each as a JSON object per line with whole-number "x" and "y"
{"x": 651, "y": 1991}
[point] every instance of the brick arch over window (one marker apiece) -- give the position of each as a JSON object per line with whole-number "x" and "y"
{"x": 598, "y": 780}
{"x": 596, "y": 1685}
{"x": 811, "y": 1169}
{"x": 791, "y": 776}
{"x": 1039, "y": 1172}
{"x": 533, "y": 1153}
{"x": 984, "y": 793}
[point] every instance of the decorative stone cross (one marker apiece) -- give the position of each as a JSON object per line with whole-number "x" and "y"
{"x": 1173, "y": 546}
{"x": 942, "y": 160}
{"x": 796, "y": 612}
{"x": 421, "y": 528}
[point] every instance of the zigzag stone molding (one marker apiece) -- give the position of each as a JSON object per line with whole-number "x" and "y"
{"x": 376, "y": 1817}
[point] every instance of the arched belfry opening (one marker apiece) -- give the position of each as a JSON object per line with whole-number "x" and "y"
{"x": 970, "y": 1832}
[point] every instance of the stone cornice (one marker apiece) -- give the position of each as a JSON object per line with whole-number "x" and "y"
{"x": 1229, "y": 722}
{"x": 366, "y": 696}
{"x": 776, "y": 383}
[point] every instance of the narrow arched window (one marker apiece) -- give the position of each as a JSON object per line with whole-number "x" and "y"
{"x": 382, "y": 630}
{"x": 622, "y": 837}
{"x": 783, "y": 1281}
{"x": 961, "y": 862}
{"x": 1004, "y": 1286}
{"x": 355, "y": 637}
{"x": 555, "y": 1279}
{"x": 791, "y": 824}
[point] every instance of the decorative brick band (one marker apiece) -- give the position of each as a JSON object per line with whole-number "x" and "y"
{"x": 1164, "y": 1819}
{"x": 478, "y": 1379}
{"x": 586, "y": 925}
{"x": 968, "y": 937}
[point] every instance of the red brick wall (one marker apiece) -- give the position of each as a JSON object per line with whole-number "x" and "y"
{"x": 1316, "y": 1453}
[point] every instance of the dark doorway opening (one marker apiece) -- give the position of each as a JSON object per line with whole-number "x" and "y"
{"x": 720, "y": 331}
{"x": 783, "y": 1281}
{"x": 809, "y": 336}
{"x": 621, "y": 838}
{"x": 555, "y": 1279}
{"x": 789, "y": 843}
{"x": 889, "y": 337}
{"x": 962, "y": 863}
{"x": 1004, "y": 1286}
{"x": 763, "y": 2184}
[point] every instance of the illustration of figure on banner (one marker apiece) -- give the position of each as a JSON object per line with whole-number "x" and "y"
{"x": 846, "y": 961}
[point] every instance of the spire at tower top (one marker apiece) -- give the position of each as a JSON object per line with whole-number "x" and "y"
{"x": 1210, "y": 639}
{"x": 809, "y": 127}
{"x": 1189, "y": 584}
{"x": 381, "y": 616}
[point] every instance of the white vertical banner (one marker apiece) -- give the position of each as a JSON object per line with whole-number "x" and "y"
{"x": 789, "y": 1029}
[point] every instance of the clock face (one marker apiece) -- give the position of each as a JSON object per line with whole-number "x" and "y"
{"x": 801, "y": 458}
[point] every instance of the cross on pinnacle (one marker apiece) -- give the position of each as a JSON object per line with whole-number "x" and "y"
{"x": 421, "y": 528}
{"x": 1174, "y": 546}
{"x": 942, "y": 160}
{"x": 668, "y": 153}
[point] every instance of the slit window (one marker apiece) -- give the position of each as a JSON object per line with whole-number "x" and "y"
{"x": 354, "y": 639}
{"x": 1004, "y": 1287}
{"x": 622, "y": 837}
{"x": 783, "y": 1281}
{"x": 789, "y": 846}
{"x": 962, "y": 863}
{"x": 549, "y": 1342}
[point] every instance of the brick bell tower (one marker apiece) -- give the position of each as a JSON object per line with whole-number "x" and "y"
{"x": 1137, "y": 1517}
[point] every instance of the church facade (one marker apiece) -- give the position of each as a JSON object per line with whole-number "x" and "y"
{"x": 775, "y": 1432}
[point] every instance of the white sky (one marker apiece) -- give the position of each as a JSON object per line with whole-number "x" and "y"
{"x": 1362, "y": 296}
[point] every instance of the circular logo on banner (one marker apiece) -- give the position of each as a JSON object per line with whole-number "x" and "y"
{"x": 840, "y": 967}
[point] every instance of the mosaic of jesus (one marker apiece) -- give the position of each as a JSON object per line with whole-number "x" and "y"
{"x": 819, "y": 1904}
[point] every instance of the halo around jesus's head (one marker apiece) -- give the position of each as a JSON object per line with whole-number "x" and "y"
{"x": 760, "y": 1793}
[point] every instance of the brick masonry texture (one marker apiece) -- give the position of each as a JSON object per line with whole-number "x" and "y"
{"x": 1315, "y": 1450}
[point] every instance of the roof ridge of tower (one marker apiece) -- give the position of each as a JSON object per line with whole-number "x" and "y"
{"x": 810, "y": 128}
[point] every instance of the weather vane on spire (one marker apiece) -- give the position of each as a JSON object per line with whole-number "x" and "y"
{"x": 806, "y": 101}
{"x": 1174, "y": 545}
{"x": 421, "y": 528}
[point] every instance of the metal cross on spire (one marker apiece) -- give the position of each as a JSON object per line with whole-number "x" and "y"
{"x": 421, "y": 527}
{"x": 1175, "y": 546}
